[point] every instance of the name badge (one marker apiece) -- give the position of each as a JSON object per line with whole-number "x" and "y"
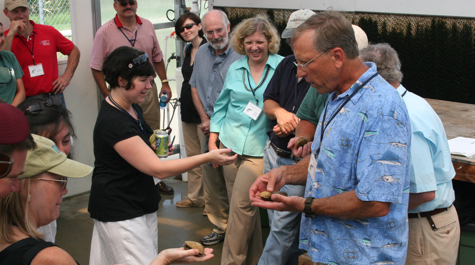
{"x": 36, "y": 70}
{"x": 252, "y": 111}
{"x": 312, "y": 166}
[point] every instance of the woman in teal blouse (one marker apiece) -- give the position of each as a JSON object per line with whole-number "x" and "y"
{"x": 240, "y": 124}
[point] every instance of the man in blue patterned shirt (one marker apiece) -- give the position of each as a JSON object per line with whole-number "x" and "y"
{"x": 357, "y": 176}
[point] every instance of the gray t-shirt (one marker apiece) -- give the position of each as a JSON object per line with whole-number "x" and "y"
{"x": 209, "y": 74}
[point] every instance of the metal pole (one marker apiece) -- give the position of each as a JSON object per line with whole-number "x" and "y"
{"x": 41, "y": 12}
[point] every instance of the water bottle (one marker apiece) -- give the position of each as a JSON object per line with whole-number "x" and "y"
{"x": 163, "y": 100}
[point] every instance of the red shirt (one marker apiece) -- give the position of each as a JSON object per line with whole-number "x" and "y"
{"x": 44, "y": 43}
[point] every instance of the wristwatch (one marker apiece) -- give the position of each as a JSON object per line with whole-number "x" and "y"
{"x": 308, "y": 208}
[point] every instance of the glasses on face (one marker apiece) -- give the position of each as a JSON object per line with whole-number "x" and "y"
{"x": 187, "y": 26}
{"x": 39, "y": 106}
{"x": 139, "y": 61}
{"x": 6, "y": 163}
{"x": 131, "y": 2}
{"x": 211, "y": 33}
{"x": 304, "y": 66}
{"x": 63, "y": 182}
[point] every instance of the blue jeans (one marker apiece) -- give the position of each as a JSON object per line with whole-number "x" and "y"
{"x": 282, "y": 245}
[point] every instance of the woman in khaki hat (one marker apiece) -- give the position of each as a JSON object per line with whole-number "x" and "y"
{"x": 42, "y": 186}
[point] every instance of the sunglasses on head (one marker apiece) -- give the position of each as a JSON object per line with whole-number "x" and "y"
{"x": 187, "y": 26}
{"x": 39, "y": 106}
{"x": 131, "y": 2}
{"x": 6, "y": 163}
{"x": 139, "y": 61}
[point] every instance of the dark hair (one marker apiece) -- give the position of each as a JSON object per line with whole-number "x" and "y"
{"x": 28, "y": 144}
{"x": 181, "y": 20}
{"x": 117, "y": 64}
{"x": 48, "y": 121}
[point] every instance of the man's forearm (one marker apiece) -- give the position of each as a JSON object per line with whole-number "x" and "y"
{"x": 347, "y": 206}
{"x": 270, "y": 108}
{"x": 73, "y": 61}
{"x": 198, "y": 105}
{"x": 305, "y": 129}
{"x": 296, "y": 174}
{"x": 7, "y": 43}
{"x": 101, "y": 82}
{"x": 160, "y": 69}
{"x": 416, "y": 199}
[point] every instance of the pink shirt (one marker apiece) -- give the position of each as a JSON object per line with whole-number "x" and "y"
{"x": 109, "y": 37}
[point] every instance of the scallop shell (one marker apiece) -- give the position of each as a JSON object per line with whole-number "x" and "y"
{"x": 265, "y": 195}
{"x": 301, "y": 142}
{"x": 194, "y": 245}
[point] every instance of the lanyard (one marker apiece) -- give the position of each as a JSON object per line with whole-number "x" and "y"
{"x": 32, "y": 47}
{"x": 296, "y": 98}
{"x": 249, "y": 81}
{"x": 139, "y": 123}
{"x": 403, "y": 94}
{"x": 323, "y": 128}
{"x": 131, "y": 41}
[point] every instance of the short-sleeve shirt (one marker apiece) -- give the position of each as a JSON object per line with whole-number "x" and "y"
{"x": 119, "y": 191}
{"x": 10, "y": 71}
{"x": 44, "y": 43}
{"x": 236, "y": 129}
{"x": 209, "y": 74}
{"x": 288, "y": 92}
{"x": 113, "y": 35}
{"x": 312, "y": 106}
{"x": 365, "y": 149}
{"x": 431, "y": 163}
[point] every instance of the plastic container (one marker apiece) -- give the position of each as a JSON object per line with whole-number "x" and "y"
{"x": 163, "y": 100}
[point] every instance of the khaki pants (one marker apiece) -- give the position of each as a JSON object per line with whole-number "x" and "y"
{"x": 194, "y": 143}
{"x": 151, "y": 108}
{"x": 216, "y": 190}
{"x": 243, "y": 241}
{"x": 428, "y": 247}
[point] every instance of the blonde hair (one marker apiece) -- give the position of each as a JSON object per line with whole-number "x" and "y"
{"x": 14, "y": 212}
{"x": 251, "y": 25}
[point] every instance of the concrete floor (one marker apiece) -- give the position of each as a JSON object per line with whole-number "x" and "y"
{"x": 175, "y": 225}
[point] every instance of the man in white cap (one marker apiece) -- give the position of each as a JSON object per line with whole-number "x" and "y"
{"x": 309, "y": 111}
{"x": 282, "y": 100}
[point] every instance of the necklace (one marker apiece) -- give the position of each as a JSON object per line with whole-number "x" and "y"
{"x": 259, "y": 85}
{"x": 139, "y": 123}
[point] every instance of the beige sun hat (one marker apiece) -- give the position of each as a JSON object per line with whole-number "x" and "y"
{"x": 47, "y": 157}
{"x": 12, "y": 4}
{"x": 296, "y": 18}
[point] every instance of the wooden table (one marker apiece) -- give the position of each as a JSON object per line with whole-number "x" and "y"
{"x": 458, "y": 120}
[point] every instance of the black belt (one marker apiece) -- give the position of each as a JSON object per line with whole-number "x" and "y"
{"x": 428, "y": 215}
{"x": 282, "y": 153}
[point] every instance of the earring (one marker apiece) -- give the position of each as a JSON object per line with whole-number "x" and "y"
{"x": 29, "y": 197}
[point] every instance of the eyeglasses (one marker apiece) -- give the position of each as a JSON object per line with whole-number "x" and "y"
{"x": 211, "y": 33}
{"x": 63, "y": 182}
{"x": 6, "y": 163}
{"x": 187, "y": 26}
{"x": 131, "y": 2}
{"x": 39, "y": 106}
{"x": 304, "y": 66}
{"x": 139, "y": 61}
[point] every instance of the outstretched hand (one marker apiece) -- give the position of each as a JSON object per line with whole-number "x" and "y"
{"x": 220, "y": 157}
{"x": 180, "y": 255}
{"x": 281, "y": 203}
{"x": 271, "y": 181}
{"x": 302, "y": 151}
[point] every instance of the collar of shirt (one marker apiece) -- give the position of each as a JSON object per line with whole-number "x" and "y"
{"x": 211, "y": 50}
{"x": 371, "y": 71}
{"x": 272, "y": 61}
{"x": 400, "y": 89}
{"x": 119, "y": 25}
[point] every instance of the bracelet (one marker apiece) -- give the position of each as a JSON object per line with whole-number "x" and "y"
{"x": 308, "y": 208}
{"x": 164, "y": 81}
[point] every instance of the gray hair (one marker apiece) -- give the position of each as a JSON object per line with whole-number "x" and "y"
{"x": 332, "y": 30}
{"x": 386, "y": 60}
{"x": 223, "y": 15}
